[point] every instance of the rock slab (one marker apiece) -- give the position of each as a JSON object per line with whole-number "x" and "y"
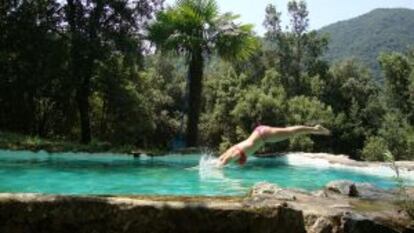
{"x": 38, "y": 214}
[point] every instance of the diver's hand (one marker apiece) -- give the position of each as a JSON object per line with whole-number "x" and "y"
{"x": 220, "y": 162}
{"x": 320, "y": 130}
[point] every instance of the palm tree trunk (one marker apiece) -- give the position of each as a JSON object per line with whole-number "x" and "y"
{"x": 196, "y": 75}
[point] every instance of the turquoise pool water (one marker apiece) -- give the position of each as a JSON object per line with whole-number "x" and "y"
{"x": 69, "y": 173}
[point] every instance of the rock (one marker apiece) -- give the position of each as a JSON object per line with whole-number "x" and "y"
{"x": 269, "y": 190}
{"x": 353, "y": 192}
{"x": 339, "y": 206}
{"x": 320, "y": 193}
{"x": 339, "y": 186}
{"x": 130, "y": 215}
{"x": 361, "y": 190}
{"x": 321, "y": 225}
{"x": 352, "y": 223}
{"x": 264, "y": 188}
{"x": 263, "y": 211}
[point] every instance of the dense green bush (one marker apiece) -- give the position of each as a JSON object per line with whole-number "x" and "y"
{"x": 301, "y": 143}
{"x": 374, "y": 149}
{"x": 308, "y": 111}
{"x": 410, "y": 145}
{"x": 395, "y": 130}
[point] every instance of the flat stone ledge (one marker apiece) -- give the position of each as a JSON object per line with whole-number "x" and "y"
{"x": 50, "y": 213}
{"x": 270, "y": 209}
{"x": 345, "y": 160}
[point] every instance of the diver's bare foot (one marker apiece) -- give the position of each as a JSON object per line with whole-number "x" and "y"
{"x": 320, "y": 130}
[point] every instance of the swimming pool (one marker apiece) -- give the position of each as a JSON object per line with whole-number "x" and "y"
{"x": 80, "y": 173}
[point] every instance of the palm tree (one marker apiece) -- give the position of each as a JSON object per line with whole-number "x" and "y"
{"x": 195, "y": 29}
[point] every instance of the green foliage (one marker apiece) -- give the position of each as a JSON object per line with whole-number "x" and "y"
{"x": 34, "y": 84}
{"x": 397, "y": 70}
{"x": 410, "y": 144}
{"x": 272, "y": 23}
{"x": 366, "y": 36}
{"x": 268, "y": 109}
{"x": 294, "y": 54}
{"x": 301, "y": 143}
{"x": 305, "y": 110}
{"x": 350, "y": 81}
{"x": 234, "y": 105}
{"x": 397, "y": 127}
{"x": 299, "y": 16}
{"x": 197, "y": 25}
{"x": 395, "y": 130}
{"x": 125, "y": 98}
{"x": 222, "y": 91}
{"x": 353, "y": 96}
{"x": 15, "y": 141}
{"x": 374, "y": 149}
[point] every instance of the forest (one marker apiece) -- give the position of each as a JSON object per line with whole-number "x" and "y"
{"x": 140, "y": 73}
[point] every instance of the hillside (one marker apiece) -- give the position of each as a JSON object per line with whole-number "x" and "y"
{"x": 366, "y": 36}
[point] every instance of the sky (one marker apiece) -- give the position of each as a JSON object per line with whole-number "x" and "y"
{"x": 321, "y": 12}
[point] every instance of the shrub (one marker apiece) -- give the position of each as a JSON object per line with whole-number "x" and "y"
{"x": 410, "y": 146}
{"x": 301, "y": 143}
{"x": 374, "y": 149}
{"x": 395, "y": 131}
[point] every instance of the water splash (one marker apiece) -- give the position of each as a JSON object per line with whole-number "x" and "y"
{"x": 208, "y": 161}
{"x": 208, "y": 168}
{"x": 210, "y": 172}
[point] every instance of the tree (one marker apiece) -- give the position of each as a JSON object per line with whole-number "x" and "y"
{"x": 277, "y": 49}
{"x": 353, "y": 95}
{"x": 395, "y": 131}
{"x": 299, "y": 24}
{"x": 33, "y": 68}
{"x": 223, "y": 90}
{"x": 272, "y": 23}
{"x": 96, "y": 28}
{"x": 296, "y": 54}
{"x": 234, "y": 105}
{"x": 195, "y": 29}
{"x": 398, "y": 86}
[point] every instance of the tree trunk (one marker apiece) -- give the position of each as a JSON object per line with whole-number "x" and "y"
{"x": 195, "y": 84}
{"x": 79, "y": 75}
{"x": 82, "y": 97}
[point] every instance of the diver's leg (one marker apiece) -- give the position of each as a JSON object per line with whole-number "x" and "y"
{"x": 274, "y": 134}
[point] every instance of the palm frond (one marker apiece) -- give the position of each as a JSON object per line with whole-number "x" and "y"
{"x": 234, "y": 41}
{"x": 196, "y": 24}
{"x": 205, "y": 9}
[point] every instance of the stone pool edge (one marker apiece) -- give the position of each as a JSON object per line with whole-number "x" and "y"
{"x": 267, "y": 208}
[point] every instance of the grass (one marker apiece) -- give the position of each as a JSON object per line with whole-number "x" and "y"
{"x": 14, "y": 141}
